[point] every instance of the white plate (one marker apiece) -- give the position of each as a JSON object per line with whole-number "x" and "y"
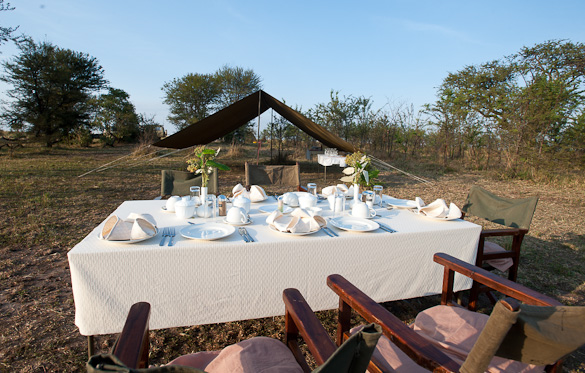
{"x": 128, "y": 241}
{"x": 434, "y": 218}
{"x": 207, "y": 232}
{"x": 400, "y": 203}
{"x": 293, "y": 234}
{"x": 353, "y": 224}
{"x": 268, "y": 209}
{"x": 237, "y": 224}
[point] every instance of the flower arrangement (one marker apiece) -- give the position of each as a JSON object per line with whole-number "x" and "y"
{"x": 203, "y": 163}
{"x": 360, "y": 170}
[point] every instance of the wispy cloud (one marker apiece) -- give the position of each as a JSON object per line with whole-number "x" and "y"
{"x": 437, "y": 29}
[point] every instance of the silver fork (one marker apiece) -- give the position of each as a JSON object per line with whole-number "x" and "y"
{"x": 171, "y": 235}
{"x": 165, "y": 233}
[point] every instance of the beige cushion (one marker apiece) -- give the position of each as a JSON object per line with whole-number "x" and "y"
{"x": 259, "y": 354}
{"x": 502, "y": 264}
{"x": 453, "y": 330}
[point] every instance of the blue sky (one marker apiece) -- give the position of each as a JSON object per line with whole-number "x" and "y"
{"x": 393, "y": 51}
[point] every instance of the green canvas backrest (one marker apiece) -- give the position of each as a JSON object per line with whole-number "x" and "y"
{"x": 536, "y": 335}
{"x": 273, "y": 175}
{"x": 177, "y": 183}
{"x": 510, "y": 212}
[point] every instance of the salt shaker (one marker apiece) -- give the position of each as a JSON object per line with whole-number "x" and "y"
{"x": 222, "y": 205}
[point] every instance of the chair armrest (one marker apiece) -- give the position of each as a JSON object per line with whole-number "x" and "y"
{"x": 491, "y": 280}
{"x": 410, "y": 342}
{"x": 503, "y": 232}
{"x": 133, "y": 343}
{"x": 300, "y": 319}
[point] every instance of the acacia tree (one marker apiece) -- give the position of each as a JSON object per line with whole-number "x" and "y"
{"x": 191, "y": 98}
{"x": 115, "y": 116}
{"x": 51, "y": 90}
{"x": 7, "y": 33}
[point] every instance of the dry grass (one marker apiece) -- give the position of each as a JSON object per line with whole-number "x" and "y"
{"x": 47, "y": 209}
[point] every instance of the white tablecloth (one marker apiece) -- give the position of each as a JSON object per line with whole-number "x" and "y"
{"x": 200, "y": 282}
{"x": 328, "y": 160}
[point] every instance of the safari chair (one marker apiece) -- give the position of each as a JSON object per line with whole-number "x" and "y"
{"x": 177, "y": 183}
{"x": 516, "y": 215}
{"x": 451, "y": 338}
{"x": 253, "y": 355}
{"x": 274, "y": 175}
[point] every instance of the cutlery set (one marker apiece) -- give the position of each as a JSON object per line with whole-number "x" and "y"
{"x": 167, "y": 232}
{"x": 330, "y": 232}
{"x": 245, "y": 235}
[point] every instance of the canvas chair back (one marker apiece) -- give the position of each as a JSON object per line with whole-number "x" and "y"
{"x": 273, "y": 175}
{"x": 530, "y": 334}
{"x": 177, "y": 183}
{"x": 514, "y": 213}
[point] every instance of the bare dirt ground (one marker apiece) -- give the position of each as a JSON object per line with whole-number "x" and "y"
{"x": 46, "y": 209}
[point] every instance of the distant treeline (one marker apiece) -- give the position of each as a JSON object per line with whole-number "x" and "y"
{"x": 521, "y": 114}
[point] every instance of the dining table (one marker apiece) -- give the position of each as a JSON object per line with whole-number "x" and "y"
{"x": 327, "y": 160}
{"x": 201, "y": 281}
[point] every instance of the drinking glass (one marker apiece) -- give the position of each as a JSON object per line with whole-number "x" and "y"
{"x": 379, "y": 191}
{"x": 312, "y": 189}
{"x": 369, "y": 199}
{"x": 195, "y": 191}
{"x": 339, "y": 204}
{"x": 210, "y": 201}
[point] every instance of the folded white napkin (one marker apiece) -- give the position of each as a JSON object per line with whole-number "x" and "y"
{"x": 135, "y": 227}
{"x": 327, "y": 191}
{"x": 256, "y": 193}
{"x": 438, "y": 209}
{"x": 298, "y": 221}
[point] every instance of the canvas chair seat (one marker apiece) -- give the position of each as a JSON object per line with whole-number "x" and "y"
{"x": 177, "y": 183}
{"x": 253, "y": 355}
{"x": 454, "y": 331}
{"x": 516, "y": 337}
{"x": 502, "y": 264}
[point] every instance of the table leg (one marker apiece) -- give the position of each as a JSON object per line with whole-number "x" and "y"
{"x": 90, "y": 346}
{"x": 325, "y": 167}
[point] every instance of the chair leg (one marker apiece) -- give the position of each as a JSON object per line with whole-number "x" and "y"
{"x": 90, "y": 346}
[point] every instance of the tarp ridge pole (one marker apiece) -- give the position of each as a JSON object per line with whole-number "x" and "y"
{"x": 258, "y": 137}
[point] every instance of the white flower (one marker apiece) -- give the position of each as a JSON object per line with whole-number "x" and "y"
{"x": 349, "y": 170}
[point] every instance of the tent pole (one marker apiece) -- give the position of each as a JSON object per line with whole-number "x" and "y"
{"x": 258, "y": 137}
{"x": 271, "y": 131}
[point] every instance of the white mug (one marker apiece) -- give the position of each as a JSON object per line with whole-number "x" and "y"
{"x": 236, "y": 215}
{"x": 361, "y": 210}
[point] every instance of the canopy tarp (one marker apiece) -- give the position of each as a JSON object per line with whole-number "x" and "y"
{"x": 239, "y": 113}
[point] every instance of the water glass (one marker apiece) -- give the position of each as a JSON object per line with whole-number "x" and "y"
{"x": 211, "y": 202}
{"x": 369, "y": 198}
{"x": 195, "y": 191}
{"x": 280, "y": 203}
{"x": 312, "y": 189}
{"x": 379, "y": 191}
{"x": 339, "y": 204}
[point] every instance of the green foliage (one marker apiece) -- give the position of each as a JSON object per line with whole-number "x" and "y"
{"x": 51, "y": 89}
{"x": 360, "y": 170}
{"x": 196, "y": 96}
{"x": 203, "y": 162}
{"x": 115, "y": 116}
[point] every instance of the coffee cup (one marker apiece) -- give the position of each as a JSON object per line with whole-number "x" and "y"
{"x": 236, "y": 215}
{"x": 361, "y": 210}
{"x": 171, "y": 203}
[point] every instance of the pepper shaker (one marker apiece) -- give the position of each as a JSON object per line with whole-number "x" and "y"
{"x": 222, "y": 205}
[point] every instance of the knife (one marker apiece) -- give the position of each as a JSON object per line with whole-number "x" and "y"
{"x": 386, "y": 228}
{"x": 241, "y": 232}
{"x": 327, "y": 229}
{"x": 248, "y": 235}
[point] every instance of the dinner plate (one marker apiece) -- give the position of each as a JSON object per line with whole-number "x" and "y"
{"x": 293, "y": 234}
{"x": 268, "y": 209}
{"x": 237, "y": 224}
{"x": 400, "y": 203}
{"x": 353, "y": 224}
{"x": 207, "y": 232}
{"x": 128, "y": 241}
